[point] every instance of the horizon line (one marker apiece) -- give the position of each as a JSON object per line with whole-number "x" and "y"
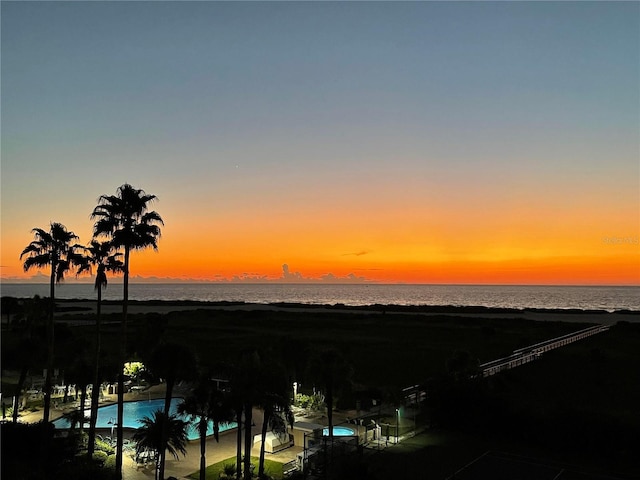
{"x": 170, "y": 281}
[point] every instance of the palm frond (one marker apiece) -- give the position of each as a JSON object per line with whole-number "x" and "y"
{"x": 151, "y": 217}
{"x": 149, "y": 434}
{"x": 37, "y": 261}
{"x": 53, "y": 248}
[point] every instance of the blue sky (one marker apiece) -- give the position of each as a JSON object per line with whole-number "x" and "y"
{"x": 235, "y": 110}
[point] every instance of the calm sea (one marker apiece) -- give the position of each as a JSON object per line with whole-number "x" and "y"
{"x": 562, "y": 297}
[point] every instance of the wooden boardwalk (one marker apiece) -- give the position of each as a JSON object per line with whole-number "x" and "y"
{"x": 528, "y": 354}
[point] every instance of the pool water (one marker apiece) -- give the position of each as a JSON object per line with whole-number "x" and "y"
{"x": 135, "y": 411}
{"x": 339, "y": 432}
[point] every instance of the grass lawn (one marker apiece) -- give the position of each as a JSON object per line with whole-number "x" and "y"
{"x": 271, "y": 468}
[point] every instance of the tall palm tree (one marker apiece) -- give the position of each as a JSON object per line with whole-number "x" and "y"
{"x": 28, "y": 353}
{"x": 331, "y": 370}
{"x": 276, "y": 406}
{"x": 245, "y": 388}
{"x": 126, "y": 220}
{"x": 150, "y": 436}
{"x": 238, "y": 409}
{"x": 172, "y": 362}
{"x": 53, "y": 249}
{"x": 79, "y": 374}
{"x": 103, "y": 256}
{"x": 206, "y": 405}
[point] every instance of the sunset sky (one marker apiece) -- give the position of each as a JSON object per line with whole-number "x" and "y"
{"x": 421, "y": 142}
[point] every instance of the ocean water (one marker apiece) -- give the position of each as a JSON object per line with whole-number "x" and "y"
{"x": 501, "y": 296}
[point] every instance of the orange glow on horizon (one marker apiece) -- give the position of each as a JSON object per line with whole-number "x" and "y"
{"x": 482, "y": 245}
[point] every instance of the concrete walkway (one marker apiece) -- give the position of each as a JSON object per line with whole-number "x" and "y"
{"x": 215, "y": 452}
{"x": 184, "y": 465}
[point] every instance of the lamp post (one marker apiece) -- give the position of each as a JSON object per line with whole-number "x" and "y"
{"x": 397, "y": 425}
{"x": 113, "y": 423}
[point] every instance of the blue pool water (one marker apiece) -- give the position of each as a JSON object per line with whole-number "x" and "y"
{"x": 339, "y": 432}
{"x": 135, "y": 411}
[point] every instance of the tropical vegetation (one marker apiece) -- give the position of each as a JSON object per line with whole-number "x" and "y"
{"x": 206, "y": 405}
{"x": 104, "y": 257}
{"x": 226, "y": 469}
{"x": 126, "y": 221}
{"x": 52, "y": 249}
{"x": 161, "y": 432}
{"x": 170, "y": 362}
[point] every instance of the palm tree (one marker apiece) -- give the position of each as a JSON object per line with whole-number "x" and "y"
{"x": 52, "y": 249}
{"x": 172, "y": 362}
{"x": 125, "y": 219}
{"x": 238, "y": 409}
{"x": 75, "y": 418}
{"x": 103, "y": 256}
{"x": 206, "y": 405}
{"x": 150, "y": 436}
{"x": 331, "y": 370}
{"x": 80, "y": 374}
{"x": 28, "y": 352}
{"x": 245, "y": 388}
{"x": 276, "y": 406}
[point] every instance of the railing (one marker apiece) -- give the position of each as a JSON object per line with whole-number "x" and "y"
{"x": 528, "y": 354}
{"x": 289, "y": 468}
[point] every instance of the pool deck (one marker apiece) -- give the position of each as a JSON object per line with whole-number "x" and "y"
{"x": 190, "y": 463}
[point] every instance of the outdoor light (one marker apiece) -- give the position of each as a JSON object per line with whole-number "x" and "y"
{"x": 112, "y": 422}
{"x": 397, "y": 425}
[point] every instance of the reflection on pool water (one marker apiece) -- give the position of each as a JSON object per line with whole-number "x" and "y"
{"x": 135, "y": 411}
{"x": 339, "y": 432}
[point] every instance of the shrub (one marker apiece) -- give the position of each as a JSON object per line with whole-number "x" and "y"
{"x": 312, "y": 402}
{"x": 110, "y": 462}
{"x": 100, "y": 456}
{"x": 229, "y": 469}
{"x": 104, "y": 447}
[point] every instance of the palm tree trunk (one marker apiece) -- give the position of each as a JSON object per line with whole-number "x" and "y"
{"x": 167, "y": 404}
{"x": 50, "y": 345}
{"x": 95, "y": 396}
{"x": 83, "y": 400}
{"x": 120, "y": 417}
{"x": 123, "y": 355}
{"x": 265, "y": 423}
{"x": 19, "y": 387}
{"x": 248, "y": 414}
{"x": 93, "y": 418}
{"x": 203, "y": 447}
{"x": 329, "y": 402}
{"x": 239, "y": 444}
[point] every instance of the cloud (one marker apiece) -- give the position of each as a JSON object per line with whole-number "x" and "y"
{"x": 297, "y": 277}
{"x": 356, "y": 254}
{"x": 287, "y": 276}
{"x": 249, "y": 278}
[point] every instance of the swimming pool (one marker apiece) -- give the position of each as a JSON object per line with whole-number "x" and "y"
{"x": 135, "y": 411}
{"x": 339, "y": 432}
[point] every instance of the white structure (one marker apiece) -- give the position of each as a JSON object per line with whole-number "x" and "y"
{"x": 274, "y": 442}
